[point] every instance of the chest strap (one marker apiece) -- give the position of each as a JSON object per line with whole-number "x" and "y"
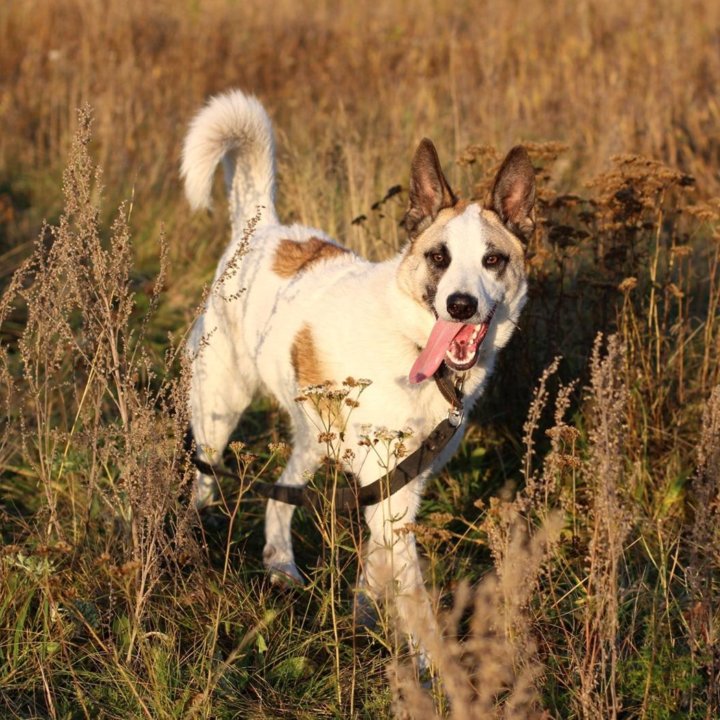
{"x": 355, "y": 495}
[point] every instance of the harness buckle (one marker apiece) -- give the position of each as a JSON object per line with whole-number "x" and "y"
{"x": 455, "y": 416}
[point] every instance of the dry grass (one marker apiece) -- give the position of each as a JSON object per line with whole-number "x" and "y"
{"x": 584, "y": 516}
{"x": 352, "y": 89}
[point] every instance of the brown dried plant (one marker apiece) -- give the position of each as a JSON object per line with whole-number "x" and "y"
{"x": 610, "y": 523}
{"x": 491, "y": 669}
{"x": 93, "y": 419}
{"x": 702, "y": 621}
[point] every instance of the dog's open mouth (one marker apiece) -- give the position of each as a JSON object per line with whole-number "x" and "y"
{"x": 457, "y": 344}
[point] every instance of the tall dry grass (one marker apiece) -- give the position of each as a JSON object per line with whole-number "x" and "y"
{"x": 352, "y": 89}
{"x": 584, "y": 516}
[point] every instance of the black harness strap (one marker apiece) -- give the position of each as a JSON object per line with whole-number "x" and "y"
{"x": 354, "y": 496}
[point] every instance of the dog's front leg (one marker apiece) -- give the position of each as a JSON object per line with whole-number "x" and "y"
{"x": 391, "y": 569}
{"x": 278, "y": 555}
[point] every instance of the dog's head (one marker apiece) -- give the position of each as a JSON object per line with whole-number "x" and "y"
{"x": 466, "y": 262}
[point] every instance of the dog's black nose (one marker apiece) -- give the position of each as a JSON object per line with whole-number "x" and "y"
{"x": 461, "y": 306}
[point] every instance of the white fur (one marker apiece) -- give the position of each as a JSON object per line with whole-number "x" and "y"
{"x": 235, "y": 129}
{"x": 366, "y": 322}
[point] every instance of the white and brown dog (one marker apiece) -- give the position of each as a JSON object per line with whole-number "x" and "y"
{"x": 298, "y": 309}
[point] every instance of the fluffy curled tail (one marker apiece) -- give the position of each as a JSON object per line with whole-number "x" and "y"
{"x": 234, "y": 128}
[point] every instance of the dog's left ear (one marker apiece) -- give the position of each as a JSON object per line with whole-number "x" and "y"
{"x": 429, "y": 190}
{"x": 513, "y": 193}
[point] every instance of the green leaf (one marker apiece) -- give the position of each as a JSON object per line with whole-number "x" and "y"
{"x": 260, "y": 644}
{"x": 291, "y": 669}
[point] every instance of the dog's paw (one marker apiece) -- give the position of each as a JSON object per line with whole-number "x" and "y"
{"x": 283, "y": 571}
{"x": 422, "y": 662}
{"x": 204, "y": 492}
{"x": 285, "y": 575}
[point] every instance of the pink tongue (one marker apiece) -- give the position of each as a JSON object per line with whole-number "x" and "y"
{"x": 437, "y": 345}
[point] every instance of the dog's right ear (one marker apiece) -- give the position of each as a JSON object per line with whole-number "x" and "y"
{"x": 429, "y": 190}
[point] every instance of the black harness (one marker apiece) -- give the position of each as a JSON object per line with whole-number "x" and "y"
{"x": 354, "y": 496}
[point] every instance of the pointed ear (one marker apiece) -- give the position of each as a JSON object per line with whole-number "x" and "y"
{"x": 429, "y": 190}
{"x": 513, "y": 193}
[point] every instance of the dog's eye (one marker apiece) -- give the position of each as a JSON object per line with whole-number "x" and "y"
{"x": 439, "y": 258}
{"x": 494, "y": 261}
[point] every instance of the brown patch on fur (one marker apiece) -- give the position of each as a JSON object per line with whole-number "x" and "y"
{"x": 291, "y": 256}
{"x": 305, "y": 360}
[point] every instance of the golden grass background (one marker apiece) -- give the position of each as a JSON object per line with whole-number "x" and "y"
{"x": 352, "y": 88}
{"x": 584, "y": 513}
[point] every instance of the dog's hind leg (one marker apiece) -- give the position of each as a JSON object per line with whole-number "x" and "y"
{"x": 278, "y": 555}
{"x": 220, "y": 391}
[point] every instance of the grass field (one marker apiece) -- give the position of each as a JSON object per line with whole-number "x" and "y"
{"x": 572, "y": 546}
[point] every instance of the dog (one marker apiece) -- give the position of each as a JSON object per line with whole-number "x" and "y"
{"x": 298, "y": 309}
